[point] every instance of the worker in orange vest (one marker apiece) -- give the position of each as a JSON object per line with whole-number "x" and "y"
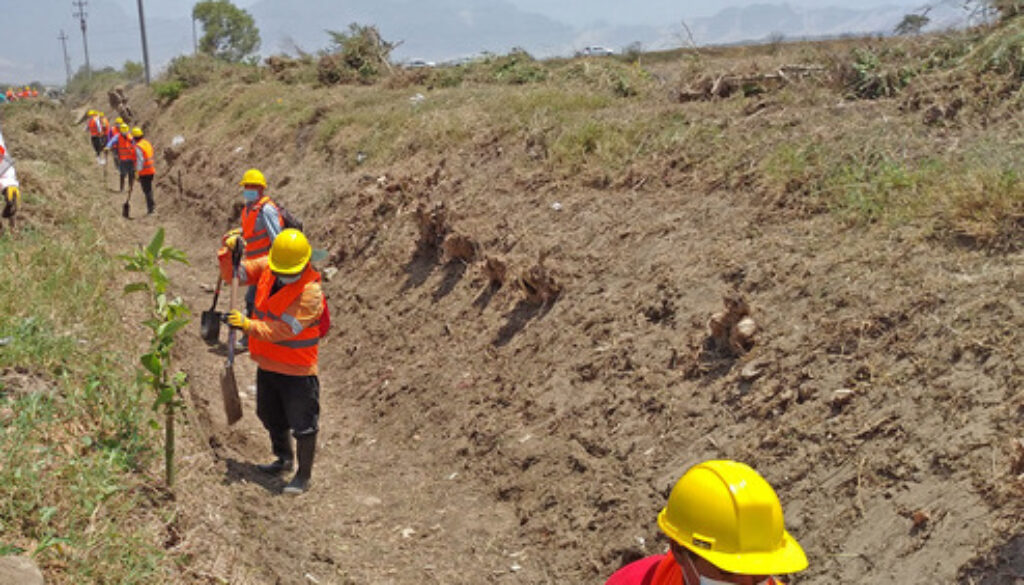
{"x": 284, "y": 335}
{"x": 725, "y": 527}
{"x": 144, "y": 167}
{"x": 261, "y": 223}
{"x": 125, "y": 148}
{"x": 10, "y": 95}
{"x": 97, "y": 133}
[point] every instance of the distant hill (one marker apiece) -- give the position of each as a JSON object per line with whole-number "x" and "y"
{"x": 445, "y": 29}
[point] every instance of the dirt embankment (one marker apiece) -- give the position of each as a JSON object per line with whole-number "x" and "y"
{"x": 517, "y": 372}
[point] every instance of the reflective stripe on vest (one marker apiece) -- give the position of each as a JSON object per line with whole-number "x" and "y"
{"x": 125, "y": 147}
{"x": 257, "y": 242}
{"x": 303, "y": 348}
{"x": 147, "y": 157}
{"x": 95, "y": 126}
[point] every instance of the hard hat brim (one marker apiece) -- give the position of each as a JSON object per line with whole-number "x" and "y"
{"x": 788, "y": 558}
{"x": 289, "y": 270}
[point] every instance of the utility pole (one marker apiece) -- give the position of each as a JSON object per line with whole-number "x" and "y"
{"x": 63, "y": 38}
{"x": 195, "y": 43}
{"x": 145, "y": 47}
{"x": 81, "y": 14}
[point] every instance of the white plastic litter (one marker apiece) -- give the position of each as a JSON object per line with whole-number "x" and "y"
{"x": 417, "y": 99}
{"x": 556, "y": 206}
{"x": 178, "y": 140}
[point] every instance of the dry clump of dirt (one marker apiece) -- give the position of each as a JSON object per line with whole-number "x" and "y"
{"x": 458, "y": 247}
{"x": 732, "y": 330}
{"x": 495, "y": 269}
{"x": 432, "y": 223}
{"x": 539, "y": 284}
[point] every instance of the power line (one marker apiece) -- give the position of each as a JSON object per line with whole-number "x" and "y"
{"x": 63, "y": 38}
{"x": 81, "y": 15}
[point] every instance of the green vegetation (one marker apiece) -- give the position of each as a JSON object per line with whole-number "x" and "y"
{"x": 75, "y": 434}
{"x": 360, "y": 54}
{"x": 229, "y": 32}
{"x": 168, "y": 316}
{"x": 167, "y": 91}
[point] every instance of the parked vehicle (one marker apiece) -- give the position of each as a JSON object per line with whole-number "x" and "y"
{"x": 420, "y": 64}
{"x": 597, "y": 51}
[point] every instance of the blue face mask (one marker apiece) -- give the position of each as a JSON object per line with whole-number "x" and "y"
{"x": 250, "y": 195}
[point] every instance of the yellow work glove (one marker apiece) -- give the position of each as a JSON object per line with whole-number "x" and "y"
{"x": 239, "y": 321}
{"x": 13, "y": 195}
{"x": 231, "y": 238}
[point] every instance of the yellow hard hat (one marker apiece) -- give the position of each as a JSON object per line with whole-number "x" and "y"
{"x": 727, "y": 514}
{"x": 137, "y": 132}
{"x": 290, "y": 252}
{"x": 118, "y": 120}
{"x": 253, "y": 177}
{"x": 123, "y": 128}
{"x": 91, "y": 113}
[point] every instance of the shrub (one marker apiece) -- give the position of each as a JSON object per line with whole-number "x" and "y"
{"x": 193, "y": 71}
{"x": 866, "y": 78}
{"x": 360, "y": 50}
{"x": 517, "y": 68}
{"x": 167, "y": 91}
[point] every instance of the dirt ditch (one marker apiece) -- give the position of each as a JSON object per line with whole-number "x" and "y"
{"x": 511, "y": 386}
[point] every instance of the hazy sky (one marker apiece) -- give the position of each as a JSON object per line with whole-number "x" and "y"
{"x": 571, "y": 11}
{"x": 29, "y": 49}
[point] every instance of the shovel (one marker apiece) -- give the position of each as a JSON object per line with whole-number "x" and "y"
{"x": 125, "y": 209}
{"x": 209, "y": 322}
{"x": 228, "y": 385}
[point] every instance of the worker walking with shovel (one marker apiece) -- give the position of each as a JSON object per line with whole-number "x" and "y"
{"x": 125, "y": 148}
{"x": 284, "y": 336}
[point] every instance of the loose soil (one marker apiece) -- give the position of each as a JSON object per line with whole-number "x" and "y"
{"x": 474, "y": 429}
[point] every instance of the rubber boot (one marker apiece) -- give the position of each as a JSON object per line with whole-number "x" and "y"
{"x": 306, "y": 448}
{"x": 281, "y": 445}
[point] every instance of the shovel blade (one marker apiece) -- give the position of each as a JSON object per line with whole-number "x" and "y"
{"x": 229, "y": 392}
{"x": 209, "y": 326}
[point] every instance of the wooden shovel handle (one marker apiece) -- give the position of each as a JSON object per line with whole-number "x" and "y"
{"x": 236, "y": 259}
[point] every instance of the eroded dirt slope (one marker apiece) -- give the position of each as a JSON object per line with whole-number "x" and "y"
{"x": 469, "y": 435}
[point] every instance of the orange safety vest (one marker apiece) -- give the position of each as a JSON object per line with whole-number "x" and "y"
{"x": 125, "y": 147}
{"x": 302, "y": 349}
{"x": 96, "y": 126}
{"x": 257, "y": 243}
{"x": 147, "y": 157}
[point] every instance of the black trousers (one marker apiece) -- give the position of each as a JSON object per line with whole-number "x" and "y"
{"x": 146, "y": 182}
{"x": 98, "y": 143}
{"x": 127, "y": 169}
{"x": 288, "y": 403}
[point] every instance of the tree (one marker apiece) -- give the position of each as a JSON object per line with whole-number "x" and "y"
{"x": 133, "y": 71}
{"x": 229, "y": 32}
{"x": 912, "y": 24}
